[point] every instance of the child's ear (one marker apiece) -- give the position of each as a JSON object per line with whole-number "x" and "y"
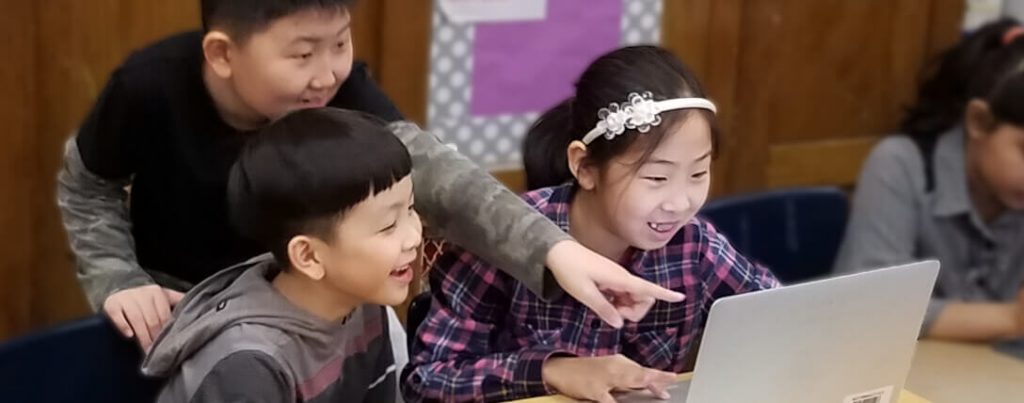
{"x": 304, "y": 256}
{"x": 216, "y": 50}
{"x": 576, "y": 156}
{"x": 978, "y": 119}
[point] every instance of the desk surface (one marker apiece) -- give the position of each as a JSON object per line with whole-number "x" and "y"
{"x": 946, "y": 372}
{"x": 905, "y": 397}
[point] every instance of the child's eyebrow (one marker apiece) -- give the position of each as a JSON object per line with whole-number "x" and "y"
{"x": 344, "y": 28}
{"x": 314, "y": 39}
{"x": 660, "y": 161}
{"x": 703, "y": 157}
{"x": 663, "y": 161}
{"x": 398, "y": 205}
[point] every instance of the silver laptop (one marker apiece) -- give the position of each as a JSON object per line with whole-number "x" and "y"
{"x": 847, "y": 339}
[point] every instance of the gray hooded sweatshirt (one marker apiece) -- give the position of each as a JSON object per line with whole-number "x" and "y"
{"x": 234, "y": 338}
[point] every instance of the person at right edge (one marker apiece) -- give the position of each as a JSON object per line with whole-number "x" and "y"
{"x": 951, "y": 187}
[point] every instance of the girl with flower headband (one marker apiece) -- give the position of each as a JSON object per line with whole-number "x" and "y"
{"x": 625, "y": 165}
{"x": 951, "y": 187}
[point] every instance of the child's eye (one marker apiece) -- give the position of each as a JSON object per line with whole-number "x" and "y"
{"x": 699, "y": 175}
{"x": 304, "y": 56}
{"x": 390, "y": 228}
{"x": 341, "y": 45}
{"x": 656, "y": 179}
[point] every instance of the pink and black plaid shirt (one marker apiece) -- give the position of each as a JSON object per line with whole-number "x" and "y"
{"x": 487, "y": 336}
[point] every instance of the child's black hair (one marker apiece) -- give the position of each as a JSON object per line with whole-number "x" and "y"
{"x": 241, "y": 18}
{"x": 984, "y": 65}
{"x": 303, "y": 172}
{"x": 610, "y": 78}
{"x": 942, "y": 95}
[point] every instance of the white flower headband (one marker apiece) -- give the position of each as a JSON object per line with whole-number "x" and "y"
{"x": 641, "y": 112}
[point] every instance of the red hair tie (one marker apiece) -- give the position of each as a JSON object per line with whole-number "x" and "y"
{"x": 1012, "y": 34}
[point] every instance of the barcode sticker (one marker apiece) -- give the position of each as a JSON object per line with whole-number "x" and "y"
{"x": 881, "y": 395}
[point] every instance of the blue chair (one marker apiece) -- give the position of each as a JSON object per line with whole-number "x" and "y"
{"x": 82, "y": 361}
{"x": 795, "y": 232}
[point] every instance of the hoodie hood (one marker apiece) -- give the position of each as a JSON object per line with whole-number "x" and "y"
{"x": 241, "y": 294}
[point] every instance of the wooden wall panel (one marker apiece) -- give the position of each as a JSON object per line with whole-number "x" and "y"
{"x": 817, "y": 163}
{"x": 514, "y": 179}
{"x": 405, "y": 55}
{"x": 944, "y": 30}
{"x": 17, "y": 163}
{"x": 789, "y": 73}
{"x": 366, "y": 33}
{"x": 684, "y": 31}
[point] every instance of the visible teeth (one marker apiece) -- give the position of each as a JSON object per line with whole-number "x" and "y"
{"x": 659, "y": 227}
{"x": 399, "y": 271}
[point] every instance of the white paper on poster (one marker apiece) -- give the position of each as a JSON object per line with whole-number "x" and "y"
{"x": 473, "y": 11}
{"x": 980, "y": 12}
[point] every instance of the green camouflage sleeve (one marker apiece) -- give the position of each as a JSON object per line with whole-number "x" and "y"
{"x": 95, "y": 216}
{"x": 465, "y": 205}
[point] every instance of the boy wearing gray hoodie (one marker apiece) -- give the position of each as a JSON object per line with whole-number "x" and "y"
{"x": 329, "y": 193}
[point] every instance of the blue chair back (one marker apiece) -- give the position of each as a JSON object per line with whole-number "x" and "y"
{"x": 795, "y": 232}
{"x": 82, "y": 361}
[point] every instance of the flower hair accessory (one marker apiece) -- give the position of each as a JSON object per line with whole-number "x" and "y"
{"x": 640, "y": 112}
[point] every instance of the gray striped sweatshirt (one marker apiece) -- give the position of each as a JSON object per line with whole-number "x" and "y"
{"x": 234, "y": 338}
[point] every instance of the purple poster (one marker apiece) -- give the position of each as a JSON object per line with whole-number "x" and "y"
{"x": 522, "y": 67}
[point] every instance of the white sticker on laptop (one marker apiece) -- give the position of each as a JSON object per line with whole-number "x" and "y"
{"x": 882, "y": 395}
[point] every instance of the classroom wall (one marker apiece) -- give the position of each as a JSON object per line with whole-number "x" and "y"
{"x": 17, "y": 145}
{"x": 60, "y": 53}
{"x": 799, "y": 106}
{"x": 806, "y": 87}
